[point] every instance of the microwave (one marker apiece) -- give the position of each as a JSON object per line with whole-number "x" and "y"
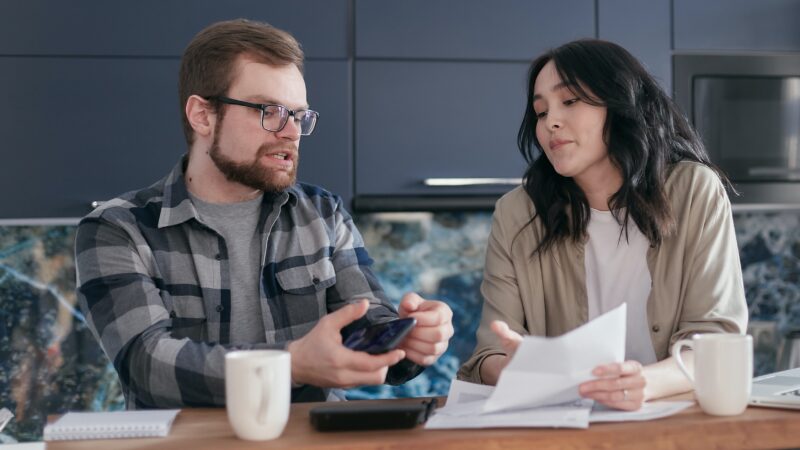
{"x": 746, "y": 109}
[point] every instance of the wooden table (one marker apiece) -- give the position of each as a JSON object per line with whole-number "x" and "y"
{"x": 202, "y": 428}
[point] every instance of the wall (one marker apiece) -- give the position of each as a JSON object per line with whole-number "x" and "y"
{"x": 50, "y": 363}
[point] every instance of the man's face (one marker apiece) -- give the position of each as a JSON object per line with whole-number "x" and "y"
{"x": 243, "y": 151}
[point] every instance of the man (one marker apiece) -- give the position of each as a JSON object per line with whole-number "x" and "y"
{"x": 229, "y": 252}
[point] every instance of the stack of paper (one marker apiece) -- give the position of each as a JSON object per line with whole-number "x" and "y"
{"x": 539, "y": 387}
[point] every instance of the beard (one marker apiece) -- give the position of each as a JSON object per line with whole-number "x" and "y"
{"x": 253, "y": 174}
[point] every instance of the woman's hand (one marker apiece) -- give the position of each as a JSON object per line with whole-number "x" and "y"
{"x": 618, "y": 385}
{"x": 494, "y": 364}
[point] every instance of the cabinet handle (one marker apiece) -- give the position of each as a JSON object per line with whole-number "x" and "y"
{"x": 789, "y": 172}
{"x": 97, "y": 203}
{"x": 471, "y": 181}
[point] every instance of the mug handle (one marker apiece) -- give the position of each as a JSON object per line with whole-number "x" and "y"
{"x": 266, "y": 382}
{"x": 676, "y": 352}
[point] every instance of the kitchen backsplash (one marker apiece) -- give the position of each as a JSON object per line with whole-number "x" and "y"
{"x": 50, "y": 363}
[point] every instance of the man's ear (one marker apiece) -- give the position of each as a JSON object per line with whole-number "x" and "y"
{"x": 200, "y": 115}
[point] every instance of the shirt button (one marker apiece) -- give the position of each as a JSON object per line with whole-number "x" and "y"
{"x": 218, "y": 257}
{"x": 172, "y": 314}
{"x": 220, "y": 308}
{"x": 656, "y": 328}
{"x": 315, "y": 280}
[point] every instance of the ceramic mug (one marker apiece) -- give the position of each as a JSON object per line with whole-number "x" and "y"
{"x": 723, "y": 371}
{"x": 258, "y": 392}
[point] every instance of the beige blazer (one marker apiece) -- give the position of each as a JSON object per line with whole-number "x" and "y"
{"x": 697, "y": 277}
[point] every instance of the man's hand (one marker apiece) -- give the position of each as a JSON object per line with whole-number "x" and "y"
{"x": 428, "y": 340}
{"x": 320, "y": 359}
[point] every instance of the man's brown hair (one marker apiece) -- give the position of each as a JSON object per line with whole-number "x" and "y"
{"x": 207, "y": 66}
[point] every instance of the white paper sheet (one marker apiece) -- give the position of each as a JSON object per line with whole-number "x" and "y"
{"x": 547, "y": 371}
{"x": 464, "y": 409}
{"x": 648, "y": 411}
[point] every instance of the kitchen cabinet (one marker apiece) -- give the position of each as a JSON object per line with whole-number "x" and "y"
{"x": 440, "y": 92}
{"x": 157, "y": 28}
{"x": 90, "y": 95}
{"x": 644, "y": 29}
{"x": 431, "y": 119}
{"x": 468, "y": 29}
{"x": 763, "y": 25}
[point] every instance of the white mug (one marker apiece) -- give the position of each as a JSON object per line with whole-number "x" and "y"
{"x": 258, "y": 390}
{"x": 723, "y": 371}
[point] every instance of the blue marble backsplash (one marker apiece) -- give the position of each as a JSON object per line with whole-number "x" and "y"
{"x": 50, "y": 363}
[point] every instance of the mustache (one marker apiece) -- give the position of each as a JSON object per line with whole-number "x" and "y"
{"x": 265, "y": 150}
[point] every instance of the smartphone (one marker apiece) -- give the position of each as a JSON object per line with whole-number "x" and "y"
{"x": 370, "y": 415}
{"x": 381, "y": 337}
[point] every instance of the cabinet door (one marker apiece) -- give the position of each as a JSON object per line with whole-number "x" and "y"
{"x": 326, "y": 157}
{"x": 468, "y": 29}
{"x": 644, "y": 29}
{"x": 418, "y": 120}
{"x": 76, "y": 130}
{"x": 159, "y": 27}
{"x": 737, "y": 25}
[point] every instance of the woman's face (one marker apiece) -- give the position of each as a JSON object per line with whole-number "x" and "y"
{"x": 569, "y": 130}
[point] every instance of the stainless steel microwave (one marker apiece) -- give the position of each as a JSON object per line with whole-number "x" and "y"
{"x": 746, "y": 108}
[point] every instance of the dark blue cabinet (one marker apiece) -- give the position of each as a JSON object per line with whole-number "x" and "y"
{"x": 422, "y": 120}
{"x": 440, "y": 91}
{"x": 763, "y": 25}
{"x": 90, "y": 103}
{"x": 160, "y": 27}
{"x": 468, "y": 29}
{"x": 644, "y": 29}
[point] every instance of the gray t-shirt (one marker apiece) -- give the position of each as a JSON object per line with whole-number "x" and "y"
{"x": 237, "y": 223}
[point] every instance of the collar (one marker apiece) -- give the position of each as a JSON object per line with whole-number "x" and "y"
{"x": 177, "y": 207}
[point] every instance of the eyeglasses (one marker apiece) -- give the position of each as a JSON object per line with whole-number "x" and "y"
{"x": 275, "y": 117}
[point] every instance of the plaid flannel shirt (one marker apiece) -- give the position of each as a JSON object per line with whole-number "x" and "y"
{"x": 154, "y": 285}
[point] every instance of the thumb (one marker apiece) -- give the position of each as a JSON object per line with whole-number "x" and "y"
{"x": 347, "y": 314}
{"x": 410, "y": 303}
{"x": 505, "y": 333}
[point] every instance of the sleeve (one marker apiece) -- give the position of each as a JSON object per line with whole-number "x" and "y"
{"x": 714, "y": 298}
{"x": 125, "y": 311}
{"x": 501, "y": 298}
{"x": 355, "y": 280}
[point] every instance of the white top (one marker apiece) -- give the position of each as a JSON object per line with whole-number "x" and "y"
{"x": 616, "y": 273}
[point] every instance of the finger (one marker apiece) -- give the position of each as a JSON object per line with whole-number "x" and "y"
{"x": 502, "y": 330}
{"x": 420, "y": 358}
{"x": 432, "y": 334}
{"x": 618, "y": 369}
{"x": 364, "y": 362}
{"x": 618, "y": 384}
{"x": 432, "y": 313}
{"x": 632, "y": 400}
{"x": 409, "y": 303}
{"x": 426, "y": 348}
{"x": 346, "y": 314}
{"x": 351, "y": 378}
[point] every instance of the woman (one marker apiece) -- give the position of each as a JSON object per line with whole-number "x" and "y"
{"x": 620, "y": 204}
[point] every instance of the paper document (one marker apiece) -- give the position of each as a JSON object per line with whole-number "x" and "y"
{"x": 464, "y": 409}
{"x": 547, "y": 371}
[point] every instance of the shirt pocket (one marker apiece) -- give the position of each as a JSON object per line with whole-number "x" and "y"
{"x": 303, "y": 296}
{"x": 188, "y": 317}
{"x": 310, "y": 279}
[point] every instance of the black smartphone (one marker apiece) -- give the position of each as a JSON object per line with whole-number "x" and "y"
{"x": 381, "y": 337}
{"x": 370, "y": 415}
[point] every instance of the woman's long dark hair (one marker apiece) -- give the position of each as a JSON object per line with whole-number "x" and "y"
{"x": 644, "y": 131}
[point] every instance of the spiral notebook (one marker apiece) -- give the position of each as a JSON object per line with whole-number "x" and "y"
{"x": 111, "y": 425}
